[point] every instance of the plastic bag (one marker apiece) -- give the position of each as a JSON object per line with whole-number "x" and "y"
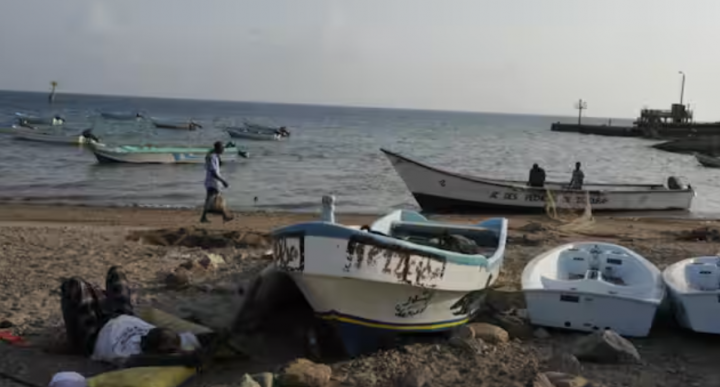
{"x": 215, "y": 204}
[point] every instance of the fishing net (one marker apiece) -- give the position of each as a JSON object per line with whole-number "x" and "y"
{"x": 572, "y": 214}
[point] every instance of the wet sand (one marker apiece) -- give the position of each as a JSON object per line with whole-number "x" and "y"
{"x": 41, "y": 245}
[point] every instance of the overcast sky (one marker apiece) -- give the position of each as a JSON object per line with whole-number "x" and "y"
{"x": 514, "y": 56}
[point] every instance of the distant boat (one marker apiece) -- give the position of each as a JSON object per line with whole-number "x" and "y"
{"x": 150, "y": 154}
{"x": 258, "y": 132}
{"x": 28, "y": 120}
{"x": 121, "y": 116}
{"x": 437, "y": 190}
{"x": 708, "y": 161}
{"x": 38, "y": 136}
{"x": 189, "y": 125}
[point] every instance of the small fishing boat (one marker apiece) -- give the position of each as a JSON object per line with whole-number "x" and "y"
{"x": 694, "y": 287}
{"x": 401, "y": 274}
{"x": 190, "y": 125}
{"x": 258, "y": 132}
{"x": 708, "y": 161}
{"x": 83, "y": 138}
{"x": 437, "y": 190}
{"x": 590, "y": 286}
{"x": 150, "y": 154}
{"x": 121, "y": 116}
{"x": 27, "y": 120}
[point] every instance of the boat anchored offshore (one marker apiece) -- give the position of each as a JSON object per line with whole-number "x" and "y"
{"x": 150, "y": 154}
{"x": 404, "y": 273}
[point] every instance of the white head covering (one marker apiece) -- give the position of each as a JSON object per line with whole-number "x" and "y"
{"x": 68, "y": 379}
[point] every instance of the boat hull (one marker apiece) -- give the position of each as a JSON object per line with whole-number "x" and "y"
{"x": 50, "y": 138}
{"x": 237, "y": 133}
{"x": 440, "y": 191}
{"x": 707, "y": 161}
{"x": 696, "y": 310}
{"x": 106, "y": 156}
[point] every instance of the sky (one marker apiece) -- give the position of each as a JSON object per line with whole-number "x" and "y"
{"x": 510, "y": 56}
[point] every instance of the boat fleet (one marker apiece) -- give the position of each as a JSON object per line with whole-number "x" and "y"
{"x": 52, "y": 130}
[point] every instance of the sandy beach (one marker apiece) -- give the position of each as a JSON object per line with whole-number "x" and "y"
{"x": 42, "y": 245}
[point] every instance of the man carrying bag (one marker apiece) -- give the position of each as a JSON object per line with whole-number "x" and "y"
{"x": 214, "y": 202}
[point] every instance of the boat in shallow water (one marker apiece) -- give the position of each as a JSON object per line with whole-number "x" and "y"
{"x": 591, "y": 286}
{"x": 694, "y": 287}
{"x": 84, "y": 138}
{"x": 150, "y": 154}
{"x": 258, "y": 132}
{"x": 707, "y": 161}
{"x": 402, "y": 274}
{"x": 440, "y": 191}
{"x": 29, "y": 121}
{"x": 189, "y": 125}
{"x": 121, "y": 116}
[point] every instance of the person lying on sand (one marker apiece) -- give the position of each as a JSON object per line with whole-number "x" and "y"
{"x": 101, "y": 324}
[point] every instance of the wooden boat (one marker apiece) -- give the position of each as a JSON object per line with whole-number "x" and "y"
{"x": 150, "y": 154}
{"x": 591, "y": 286}
{"x": 121, "y": 116}
{"x": 694, "y": 288}
{"x": 191, "y": 125}
{"x": 437, "y": 190}
{"x": 708, "y": 161}
{"x": 258, "y": 132}
{"x": 400, "y": 274}
{"x": 83, "y": 138}
{"x": 30, "y": 121}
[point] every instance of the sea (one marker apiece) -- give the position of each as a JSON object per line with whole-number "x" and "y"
{"x": 333, "y": 150}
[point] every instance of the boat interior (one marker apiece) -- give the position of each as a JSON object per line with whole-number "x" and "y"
{"x": 703, "y": 274}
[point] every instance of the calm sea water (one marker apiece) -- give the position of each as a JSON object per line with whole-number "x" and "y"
{"x": 333, "y": 150}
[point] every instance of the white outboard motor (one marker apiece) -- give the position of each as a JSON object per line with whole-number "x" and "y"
{"x": 328, "y": 208}
{"x": 675, "y": 183}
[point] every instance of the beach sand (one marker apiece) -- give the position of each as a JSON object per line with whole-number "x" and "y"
{"x": 42, "y": 245}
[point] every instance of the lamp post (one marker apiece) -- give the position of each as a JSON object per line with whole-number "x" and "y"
{"x": 682, "y": 88}
{"x": 580, "y": 106}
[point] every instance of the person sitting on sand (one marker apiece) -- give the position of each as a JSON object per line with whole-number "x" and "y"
{"x": 578, "y": 177}
{"x": 537, "y": 177}
{"x": 101, "y": 324}
{"x": 212, "y": 178}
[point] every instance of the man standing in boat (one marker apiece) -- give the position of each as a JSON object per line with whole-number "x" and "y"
{"x": 212, "y": 178}
{"x": 537, "y": 177}
{"x": 578, "y": 177}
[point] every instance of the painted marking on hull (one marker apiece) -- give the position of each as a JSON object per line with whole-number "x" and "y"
{"x": 289, "y": 252}
{"x": 414, "y": 305}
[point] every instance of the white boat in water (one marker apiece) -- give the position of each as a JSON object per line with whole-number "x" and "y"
{"x": 590, "y": 286}
{"x": 437, "y": 190}
{"x": 258, "y": 132}
{"x": 403, "y": 273}
{"x": 28, "y": 120}
{"x": 694, "y": 287}
{"x": 83, "y": 138}
{"x": 121, "y": 116}
{"x": 150, "y": 154}
{"x": 708, "y": 161}
{"x": 175, "y": 125}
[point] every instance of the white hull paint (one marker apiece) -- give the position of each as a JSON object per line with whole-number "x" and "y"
{"x": 359, "y": 278}
{"x": 695, "y": 309}
{"x": 109, "y": 155}
{"x": 437, "y": 190}
{"x": 623, "y": 294}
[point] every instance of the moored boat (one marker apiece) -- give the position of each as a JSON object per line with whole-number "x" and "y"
{"x": 121, "y": 116}
{"x": 438, "y": 190}
{"x": 694, "y": 288}
{"x": 591, "y": 286}
{"x": 190, "y": 125}
{"x": 149, "y": 154}
{"x": 707, "y": 161}
{"x": 83, "y": 138}
{"x": 29, "y": 121}
{"x": 258, "y": 132}
{"x": 401, "y": 274}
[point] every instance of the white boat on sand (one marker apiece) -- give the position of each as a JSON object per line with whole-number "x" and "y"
{"x": 150, "y": 154}
{"x": 590, "y": 286}
{"x": 694, "y": 288}
{"x": 401, "y": 274}
{"x": 437, "y": 190}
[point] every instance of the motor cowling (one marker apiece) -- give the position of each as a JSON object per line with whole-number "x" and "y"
{"x": 676, "y": 183}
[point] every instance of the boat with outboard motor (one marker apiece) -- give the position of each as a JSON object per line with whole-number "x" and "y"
{"x": 152, "y": 154}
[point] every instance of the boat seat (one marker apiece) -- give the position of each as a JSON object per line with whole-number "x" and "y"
{"x": 574, "y": 263}
{"x": 703, "y": 276}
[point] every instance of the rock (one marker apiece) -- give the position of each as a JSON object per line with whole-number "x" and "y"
{"x": 541, "y": 380}
{"x": 605, "y": 347}
{"x": 5, "y": 324}
{"x": 191, "y": 265}
{"x": 541, "y": 333}
{"x": 470, "y": 345}
{"x": 464, "y": 332}
{"x": 489, "y": 333}
{"x": 563, "y": 362}
{"x": 363, "y": 379}
{"x": 515, "y": 326}
{"x": 212, "y": 261}
{"x": 248, "y": 381}
{"x": 264, "y": 379}
{"x": 532, "y": 227}
{"x": 416, "y": 377}
{"x": 304, "y": 373}
{"x": 559, "y": 379}
{"x": 178, "y": 279}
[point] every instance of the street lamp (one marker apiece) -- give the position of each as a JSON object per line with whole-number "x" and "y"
{"x": 682, "y": 88}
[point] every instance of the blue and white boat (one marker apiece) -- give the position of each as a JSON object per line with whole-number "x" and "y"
{"x": 150, "y": 154}
{"x": 399, "y": 275}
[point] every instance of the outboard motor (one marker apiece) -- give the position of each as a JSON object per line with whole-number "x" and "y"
{"x": 87, "y": 133}
{"x": 675, "y": 183}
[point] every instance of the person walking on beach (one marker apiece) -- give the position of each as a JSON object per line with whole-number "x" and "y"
{"x": 578, "y": 177}
{"x": 537, "y": 177}
{"x": 212, "y": 181}
{"x": 101, "y": 324}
